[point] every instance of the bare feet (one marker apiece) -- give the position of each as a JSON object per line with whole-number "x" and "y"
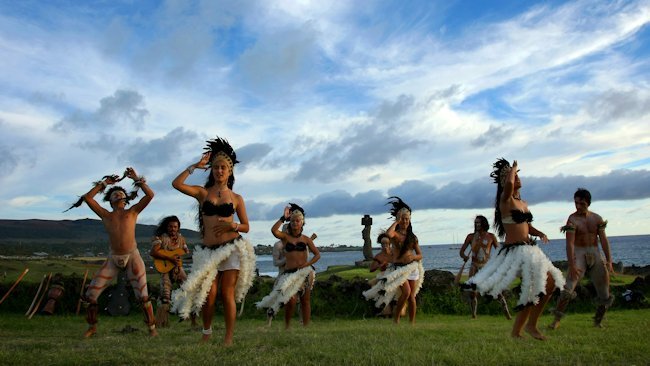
{"x": 535, "y": 333}
{"x": 554, "y": 325}
{"x": 206, "y": 334}
{"x": 516, "y": 336}
{"x": 227, "y": 342}
{"x": 91, "y": 331}
{"x": 153, "y": 332}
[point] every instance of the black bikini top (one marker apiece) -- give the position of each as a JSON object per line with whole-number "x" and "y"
{"x": 517, "y": 217}
{"x": 299, "y": 247}
{"x": 222, "y": 210}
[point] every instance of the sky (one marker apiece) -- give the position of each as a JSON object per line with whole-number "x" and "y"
{"x": 334, "y": 105}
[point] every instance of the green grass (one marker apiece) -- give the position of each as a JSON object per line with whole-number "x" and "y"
{"x": 439, "y": 339}
{"x": 39, "y": 267}
{"x": 346, "y": 272}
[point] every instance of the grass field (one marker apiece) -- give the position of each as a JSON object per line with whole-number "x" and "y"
{"x": 434, "y": 340}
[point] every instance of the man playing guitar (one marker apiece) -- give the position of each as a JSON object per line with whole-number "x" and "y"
{"x": 168, "y": 245}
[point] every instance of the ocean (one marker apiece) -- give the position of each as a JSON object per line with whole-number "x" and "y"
{"x": 631, "y": 250}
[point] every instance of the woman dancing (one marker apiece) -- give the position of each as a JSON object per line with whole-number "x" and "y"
{"x": 297, "y": 280}
{"x": 519, "y": 256}
{"x": 401, "y": 281}
{"x": 225, "y": 259}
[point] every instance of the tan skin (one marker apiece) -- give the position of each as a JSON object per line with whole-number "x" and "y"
{"x": 473, "y": 240}
{"x": 120, "y": 222}
{"x": 296, "y": 260}
{"x": 172, "y": 231}
{"x": 384, "y": 257}
{"x": 217, "y": 231}
{"x": 586, "y": 234}
{"x": 397, "y": 238}
{"x": 511, "y": 200}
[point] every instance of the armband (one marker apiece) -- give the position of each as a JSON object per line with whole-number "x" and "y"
{"x": 602, "y": 225}
{"x": 567, "y": 228}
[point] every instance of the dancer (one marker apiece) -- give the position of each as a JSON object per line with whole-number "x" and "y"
{"x": 225, "y": 261}
{"x": 297, "y": 280}
{"x": 120, "y": 225}
{"x": 519, "y": 256}
{"x": 481, "y": 243}
{"x": 401, "y": 281}
{"x": 278, "y": 253}
{"x": 168, "y": 245}
{"x": 583, "y": 230}
{"x": 380, "y": 262}
{"x": 384, "y": 257}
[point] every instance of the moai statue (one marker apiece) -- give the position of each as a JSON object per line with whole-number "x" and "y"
{"x": 366, "y": 221}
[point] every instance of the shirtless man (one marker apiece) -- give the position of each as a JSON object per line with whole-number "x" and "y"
{"x": 120, "y": 226}
{"x": 481, "y": 243}
{"x": 583, "y": 231}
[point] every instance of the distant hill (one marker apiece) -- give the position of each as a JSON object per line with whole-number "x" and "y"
{"x": 84, "y": 229}
{"x": 24, "y": 237}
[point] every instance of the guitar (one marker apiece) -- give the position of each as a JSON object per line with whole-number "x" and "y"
{"x": 164, "y": 265}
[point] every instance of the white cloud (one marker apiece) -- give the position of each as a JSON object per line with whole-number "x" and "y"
{"x": 26, "y": 201}
{"x": 354, "y": 101}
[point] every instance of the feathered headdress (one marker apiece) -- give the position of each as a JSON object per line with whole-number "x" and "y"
{"x": 220, "y": 147}
{"x": 293, "y": 208}
{"x": 398, "y": 205}
{"x": 500, "y": 171}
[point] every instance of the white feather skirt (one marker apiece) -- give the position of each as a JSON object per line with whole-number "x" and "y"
{"x": 192, "y": 294}
{"x": 286, "y": 286}
{"x": 388, "y": 283}
{"x": 526, "y": 261}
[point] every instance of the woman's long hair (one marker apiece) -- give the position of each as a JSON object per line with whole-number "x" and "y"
{"x": 497, "y": 169}
{"x": 411, "y": 239}
{"x": 214, "y": 146}
{"x": 409, "y": 242}
{"x": 209, "y": 183}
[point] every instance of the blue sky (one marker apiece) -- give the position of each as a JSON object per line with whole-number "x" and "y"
{"x": 333, "y": 105}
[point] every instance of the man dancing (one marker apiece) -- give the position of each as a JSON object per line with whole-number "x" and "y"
{"x": 481, "y": 243}
{"x": 120, "y": 225}
{"x": 583, "y": 230}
